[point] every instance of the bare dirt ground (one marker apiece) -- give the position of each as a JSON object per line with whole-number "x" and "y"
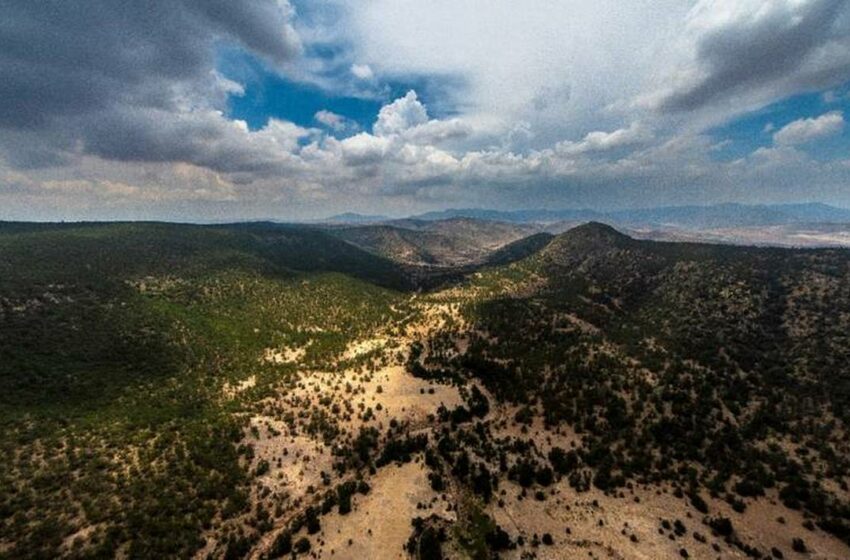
{"x": 638, "y": 523}
{"x": 350, "y": 398}
{"x": 593, "y": 525}
{"x": 407, "y": 398}
{"x": 360, "y": 347}
{"x": 380, "y": 522}
{"x": 295, "y": 461}
{"x": 629, "y": 525}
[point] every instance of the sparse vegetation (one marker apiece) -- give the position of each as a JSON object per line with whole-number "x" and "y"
{"x": 178, "y": 390}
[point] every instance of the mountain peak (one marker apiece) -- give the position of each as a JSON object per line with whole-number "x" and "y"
{"x": 595, "y": 231}
{"x": 584, "y": 240}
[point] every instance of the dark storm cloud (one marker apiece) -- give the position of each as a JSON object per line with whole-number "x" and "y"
{"x": 204, "y": 138}
{"x": 65, "y": 64}
{"x": 804, "y": 43}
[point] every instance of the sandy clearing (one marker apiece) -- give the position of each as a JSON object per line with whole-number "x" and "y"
{"x": 408, "y": 398}
{"x": 361, "y": 347}
{"x": 623, "y": 517}
{"x": 387, "y": 511}
{"x": 399, "y": 394}
{"x": 295, "y": 462}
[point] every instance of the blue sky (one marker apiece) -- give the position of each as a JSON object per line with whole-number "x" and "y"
{"x": 270, "y": 94}
{"x": 754, "y": 130}
{"x": 272, "y": 109}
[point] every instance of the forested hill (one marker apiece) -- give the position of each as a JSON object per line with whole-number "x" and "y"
{"x": 241, "y": 390}
{"x": 716, "y": 368}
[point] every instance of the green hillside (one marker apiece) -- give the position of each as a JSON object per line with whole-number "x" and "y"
{"x": 451, "y": 242}
{"x": 722, "y": 370}
{"x": 138, "y": 360}
{"x": 115, "y": 342}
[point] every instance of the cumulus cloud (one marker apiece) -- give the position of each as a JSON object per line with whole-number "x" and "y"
{"x": 400, "y": 115}
{"x": 806, "y": 130}
{"x": 364, "y": 148}
{"x": 403, "y": 137}
{"x": 437, "y": 131}
{"x": 407, "y": 119}
{"x": 121, "y": 107}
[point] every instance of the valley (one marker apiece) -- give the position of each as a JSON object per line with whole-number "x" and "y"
{"x": 270, "y": 391}
{"x": 412, "y": 280}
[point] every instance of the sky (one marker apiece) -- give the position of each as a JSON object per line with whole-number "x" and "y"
{"x": 211, "y": 110}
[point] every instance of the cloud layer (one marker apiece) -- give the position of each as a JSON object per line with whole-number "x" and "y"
{"x": 116, "y": 109}
{"x": 807, "y": 130}
{"x": 749, "y": 50}
{"x": 126, "y": 80}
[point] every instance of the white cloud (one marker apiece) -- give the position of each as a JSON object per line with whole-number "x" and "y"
{"x": 329, "y": 118}
{"x": 557, "y": 105}
{"x": 362, "y": 71}
{"x": 334, "y": 121}
{"x": 364, "y": 148}
{"x": 602, "y": 141}
{"x": 226, "y": 86}
{"x": 437, "y": 131}
{"x": 403, "y": 135}
{"x": 806, "y": 130}
{"x": 556, "y": 65}
{"x": 400, "y": 115}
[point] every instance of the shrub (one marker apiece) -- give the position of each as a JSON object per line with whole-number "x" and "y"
{"x": 429, "y": 545}
{"x": 697, "y": 501}
{"x": 721, "y": 525}
{"x": 282, "y": 544}
{"x": 302, "y": 546}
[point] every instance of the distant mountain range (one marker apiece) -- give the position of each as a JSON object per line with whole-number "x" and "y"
{"x": 696, "y": 217}
{"x": 728, "y": 215}
{"x": 354, "y": 218}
